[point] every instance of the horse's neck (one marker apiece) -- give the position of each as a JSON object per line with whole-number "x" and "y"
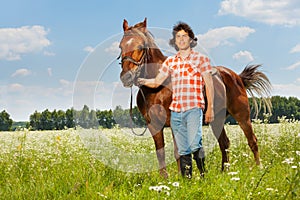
{"x": 156, "y": 58}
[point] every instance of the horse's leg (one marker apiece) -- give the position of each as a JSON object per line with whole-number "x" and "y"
{"x": 242, "y": 116}
{"x": 224, "y": 144}
{"x": 176, "y": 154}
{"x": 218, "y": 129}
{"x": 158, "y": 138}
{"x": 252, "y": 140}
{"x": 157, "y": 118}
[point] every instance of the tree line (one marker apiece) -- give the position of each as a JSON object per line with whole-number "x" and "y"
{"x": 71, "y": 118}
{"x": 89, "y": 118}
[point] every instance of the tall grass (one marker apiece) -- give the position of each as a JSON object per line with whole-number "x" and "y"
{"x": 59, "y": 165}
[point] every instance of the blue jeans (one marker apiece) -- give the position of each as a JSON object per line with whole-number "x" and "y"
{"x": 187, "y": 129}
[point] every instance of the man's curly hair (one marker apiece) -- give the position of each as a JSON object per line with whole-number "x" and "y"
{"x": 183, "y": 26}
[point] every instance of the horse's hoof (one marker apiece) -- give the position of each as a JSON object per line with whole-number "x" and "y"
{"x": 225, "y": 167}
{"x": 164, "y": 173}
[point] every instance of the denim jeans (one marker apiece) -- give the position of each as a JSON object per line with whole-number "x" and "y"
{"x": 187, "y": 129}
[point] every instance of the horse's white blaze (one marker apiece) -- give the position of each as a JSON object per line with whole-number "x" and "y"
{"x": 129, "y": 41}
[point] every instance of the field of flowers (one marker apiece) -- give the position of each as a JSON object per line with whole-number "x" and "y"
{"x": 115, "y": 164}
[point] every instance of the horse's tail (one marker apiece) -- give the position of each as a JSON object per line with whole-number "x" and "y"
{"x": 256, "y": 82}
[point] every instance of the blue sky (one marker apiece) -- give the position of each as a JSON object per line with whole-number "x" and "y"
{"x": 47, "y": 47}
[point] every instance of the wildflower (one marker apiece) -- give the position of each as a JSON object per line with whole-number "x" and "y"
{"x": 175, "y": 184}
{"x": 164, "y": 187}
{"x": 233, "y": 173}
{"x": 19, "y": 147}
{"x": 288, "y": 160}
{"x": 226, "y": 164}
{"x": 245, "y": 155}
{"x": 155, "y": 188}
{"x": 298, "y": 153}
{"x": 102, "y": 195}
{"x": 235, "y": 179}
{"x": 269, "y": 189}
{"x": 160, "y": 188}
{"x": 294, "y": 167}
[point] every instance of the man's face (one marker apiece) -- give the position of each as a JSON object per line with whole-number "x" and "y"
{"x": 182, "y": 40}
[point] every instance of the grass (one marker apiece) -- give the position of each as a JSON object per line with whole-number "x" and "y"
{"x": 114, "y": 164}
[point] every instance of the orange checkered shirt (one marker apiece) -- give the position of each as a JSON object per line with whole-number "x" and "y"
{"x": 187, "y": 82}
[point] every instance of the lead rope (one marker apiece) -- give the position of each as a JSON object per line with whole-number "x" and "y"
{"x": 131, "y": 115}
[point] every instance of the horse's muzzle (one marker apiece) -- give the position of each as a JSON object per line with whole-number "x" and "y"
{"x": 127, "y": 79}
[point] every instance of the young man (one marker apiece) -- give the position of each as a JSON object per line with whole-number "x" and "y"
{"x": 189, "y": 71}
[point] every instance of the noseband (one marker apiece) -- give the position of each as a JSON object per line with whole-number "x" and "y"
{"x": 130, "y": 59}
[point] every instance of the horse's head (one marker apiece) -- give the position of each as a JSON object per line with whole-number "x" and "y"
{"x": 134, "y": 52}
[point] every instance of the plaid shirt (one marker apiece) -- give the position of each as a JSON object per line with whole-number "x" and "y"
{"x": 187, "y": 82}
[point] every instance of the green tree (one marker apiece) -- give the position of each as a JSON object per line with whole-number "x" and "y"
{"x": 123, "y": 118}
{"x": 46, "y": 120}
{"x": 70, "y": 123}
{"x": 5, "y": 121}
{"x": 105, "y": 118}
{"x": 83, "y": 119}
{"x": 35, "y": 121}
{"x": 60, "y": 120}
{"x": 93, "y": 122}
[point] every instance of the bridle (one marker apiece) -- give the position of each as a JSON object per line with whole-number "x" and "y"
{"x": 139, "y": 64}
{"x": 136, "y": 73}
{"x": 142, "y": 60}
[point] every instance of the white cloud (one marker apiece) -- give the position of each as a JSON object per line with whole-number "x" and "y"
{"x": 15, "y": 42}
{"x": 113, "y": 49}
{"x": 286, "y": 90}
{"x": 293, "y": 66}
{"x": 21, "y": 72}
{"x": 244, "y": 56}
{"x": 223, "y": 36}
{"x": 64, "y": 82}
{"x": 49, "y": 71}
{"x": 295, "y": 49}
{"x": 48, "y": 53}
{"x": 15, "y": 87}
{"x": 22, "y": 100}
{"x": 271, "y": 12}
{"x": 89, "y": 49}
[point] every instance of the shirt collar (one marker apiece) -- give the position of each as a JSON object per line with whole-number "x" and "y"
{"x": 178, "y": 54}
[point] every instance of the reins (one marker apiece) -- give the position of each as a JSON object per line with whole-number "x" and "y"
{"x": 131, "y": 115}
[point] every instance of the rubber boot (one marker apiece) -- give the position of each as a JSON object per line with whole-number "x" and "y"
{"x": 199, "y": 157}
{"x": 186, "y": 166}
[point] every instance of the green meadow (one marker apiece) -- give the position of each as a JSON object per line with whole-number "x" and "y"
{"x": 115, "y": 164}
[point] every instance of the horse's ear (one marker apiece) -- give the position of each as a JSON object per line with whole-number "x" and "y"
{"x": 125, "y": 25}
{"x": 145, "y": 24}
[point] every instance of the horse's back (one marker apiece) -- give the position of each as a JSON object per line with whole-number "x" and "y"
{"x": 236, "y": 97}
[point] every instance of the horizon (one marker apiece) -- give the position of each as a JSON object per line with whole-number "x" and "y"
{"x": 59, "y": 55}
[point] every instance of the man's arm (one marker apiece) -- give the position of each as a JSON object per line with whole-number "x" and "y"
{"x": 209, "y": 89}
{"x": 154, "y": 82}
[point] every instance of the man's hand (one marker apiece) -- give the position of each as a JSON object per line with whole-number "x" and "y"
{"x": 209, "y": 115}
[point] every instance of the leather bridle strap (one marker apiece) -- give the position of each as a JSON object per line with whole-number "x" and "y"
{"x": 131, "y": 115}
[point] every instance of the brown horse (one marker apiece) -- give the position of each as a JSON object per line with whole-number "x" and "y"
{"x": 142, "y": 58}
